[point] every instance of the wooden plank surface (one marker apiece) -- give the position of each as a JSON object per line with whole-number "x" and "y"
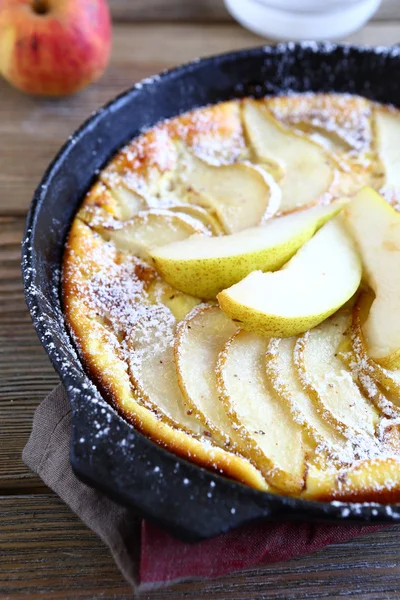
{"x": 32, "y": 130}
{"x": 46, "y": 549}
{"x": 202, "y": 11}
{"x": 26, "y": 375}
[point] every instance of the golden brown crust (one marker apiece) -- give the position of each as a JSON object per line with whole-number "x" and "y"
{"x": 214, "y": 133}
{"x": 369, "y": 481}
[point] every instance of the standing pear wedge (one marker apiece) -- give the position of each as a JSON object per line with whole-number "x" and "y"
{"x": 203, "y": 266}
{"x": 323, "y": 275}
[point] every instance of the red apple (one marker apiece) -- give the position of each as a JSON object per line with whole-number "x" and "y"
{"x": 54, "y": 47}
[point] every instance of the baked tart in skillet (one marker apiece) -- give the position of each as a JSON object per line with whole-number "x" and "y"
{"x": 232, "y": 283}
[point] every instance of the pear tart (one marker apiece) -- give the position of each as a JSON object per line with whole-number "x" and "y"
{"x": 232, "y": 283}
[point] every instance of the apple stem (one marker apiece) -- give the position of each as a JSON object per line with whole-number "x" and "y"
{"x": 40, "y": 7}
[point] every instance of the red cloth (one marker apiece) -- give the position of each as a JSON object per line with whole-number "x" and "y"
{"x": 165, "y": 559}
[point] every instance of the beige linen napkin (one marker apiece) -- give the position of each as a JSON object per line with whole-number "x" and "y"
{"x": 46, "y": 453}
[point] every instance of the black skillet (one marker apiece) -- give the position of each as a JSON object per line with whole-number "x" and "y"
{"x": 106, "y": 452}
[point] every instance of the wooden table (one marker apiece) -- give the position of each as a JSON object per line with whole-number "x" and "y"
{"x": 45, "y": 551}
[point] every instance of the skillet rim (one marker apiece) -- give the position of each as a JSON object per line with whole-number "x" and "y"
{"x": 191, "y": 514}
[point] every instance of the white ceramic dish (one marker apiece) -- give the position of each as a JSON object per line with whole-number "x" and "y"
{"x": 302, "y": 19}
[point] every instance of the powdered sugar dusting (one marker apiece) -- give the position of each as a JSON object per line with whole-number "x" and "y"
{"x": 124, "y": 295}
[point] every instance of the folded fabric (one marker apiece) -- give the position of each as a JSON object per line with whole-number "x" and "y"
{"x": 146, "y": 555}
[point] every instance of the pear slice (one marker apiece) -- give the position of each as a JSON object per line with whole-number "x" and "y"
{"x": 201, "y": 214}
{"x": 368, "y": 384}
{"x": 99, "y": 207}
{"x": 150, "y": 228}
{"x": 384, "y": 403}
{"x": 330, "y": 384}
{"x": 342, "y": 118}
{"x": 198, "y": 342}
{"x": 387, "y": 132}
{"x": 282, "y": 374}
{"x": 299, "y": 157}
{"x": 272, "y": 437}
{"x": 375, "y": 226}
{"x": 318, "y": 280}
{"x": 204, "y": 266}
{"x": 129, "y": 202}
{"x": 159, "y": 292}
{"x": 372, "y": 375}
{"x": 240, "y": 194}
{"x": 150, "y": 346}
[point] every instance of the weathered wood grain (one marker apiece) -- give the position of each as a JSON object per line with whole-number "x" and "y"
{"x": 45, "y": 548}
{"x": 47, "y": 552}
{"x": 32, "y": 129}
{"x": 183, "y": 11}
{"x": 26, "y": 375}
{"x": 202, "y": 11}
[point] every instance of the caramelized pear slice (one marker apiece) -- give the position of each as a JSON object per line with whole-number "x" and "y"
{"x": 301, "y": 159}
{"x": 330, "y": 384}
{"x": 286, "y": 383}
{"x": 180, "y": 304}
{"x": 201, "y": 214}
{"x": 272, "y": 437}
{"x": 387, "y": 131}
{"x": 129, "y": 202}
{"x": 149, "y": 229}
{"x": 99, "y": 207}
{"x": 372, "y": 375}
{"x": 342, "y": 119}
{"x": 199, "y": 340}
{"x": 241, "y": 195}
{"x": 375, "y": 227}
{"x": 150, "y": 346}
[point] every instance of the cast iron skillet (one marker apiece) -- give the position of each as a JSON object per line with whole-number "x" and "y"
{"x": 106, "y": 452}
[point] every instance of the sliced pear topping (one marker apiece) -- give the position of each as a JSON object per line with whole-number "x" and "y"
{"x": 371, "y": 375}
{"x": 318, "y": 280}
{"x": 282, "y": 374}
{"x": 152, "y": 368}
{"x": 99, "y": 207}
{"x": 159, "y": 292}
{"x": 149, "y": 229}
{"x": 201, "y": 214}
{"x": 384, "y": 404}
{"x": 375, "y": 226}
{"x": 203, "y": 267}
{"x": 271, "y": 436}
{"x": 387, "y": 129}
{"x": 239, "y": 194}
{"x": 330, "y": 384}
{"x": 342, "y": 117}
{"x": 129, "y": 202}
{"x": 199, "y": 340}
{"x": 300, "y": 159}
